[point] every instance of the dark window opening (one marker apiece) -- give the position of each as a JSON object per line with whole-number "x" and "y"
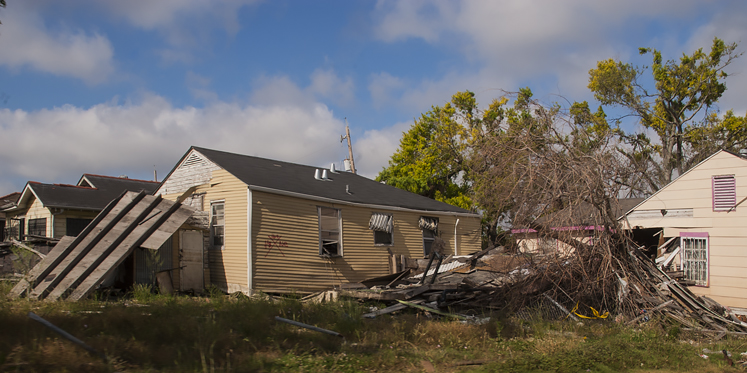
{"x": 75, "y": 225}
{"x": 330, "y": 244}
{"x": 38, "y": 227}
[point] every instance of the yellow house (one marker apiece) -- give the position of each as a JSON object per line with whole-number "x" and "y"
{"x": 278, "y": 227}
{"x": 56, "y": 210}
{"x": 702, "y": 211}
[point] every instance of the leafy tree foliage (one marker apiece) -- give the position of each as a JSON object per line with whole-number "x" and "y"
{"x": 430, "y": 160}
{"x": 677, "y": 109}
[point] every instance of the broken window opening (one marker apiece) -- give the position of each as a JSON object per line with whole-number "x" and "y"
{"x": 330, "y": 228}
{"x": 695, "y": 259}
{"x": 382, "y": 226}
{"x": 430, "y": 232}
{"x": 73, "y": 226}
{"x": 217, "y": 225}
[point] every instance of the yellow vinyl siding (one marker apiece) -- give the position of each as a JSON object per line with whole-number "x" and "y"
{"x": 38, "y": 211}
{"x": 228, "y": 267}
{"x": 60, "y": 220}
{"x": 286, "y": 243}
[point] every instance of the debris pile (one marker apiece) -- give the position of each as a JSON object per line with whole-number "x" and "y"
{"x": 576, "y": 285}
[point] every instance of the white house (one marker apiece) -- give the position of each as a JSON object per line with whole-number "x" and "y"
{"x": 703, "y": 212}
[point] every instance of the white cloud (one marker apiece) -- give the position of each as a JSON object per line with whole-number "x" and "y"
{"x": 553, "y": 44}
{"x": 57, "y": 145}
{"x": 375, "y": 148}
{"x": 382, "y": 87}
{"x": 27, "y": 43}
{"x": 326, "y": 84}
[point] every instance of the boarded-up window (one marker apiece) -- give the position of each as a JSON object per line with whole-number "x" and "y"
{"x": 330, "y": 232}
{"x": 217, "y": 225}
{"x": 73, "y": 226}
{"x": 695, "y": 259}
{"x": 38, "y": 227}
{"x": 382, "y": 225}
{"x": 724, "y": 192}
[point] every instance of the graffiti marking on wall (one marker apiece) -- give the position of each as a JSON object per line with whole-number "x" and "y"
{"x": 274, "y": 241}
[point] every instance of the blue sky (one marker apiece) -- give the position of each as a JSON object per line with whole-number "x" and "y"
{"x": 121, "y": 87}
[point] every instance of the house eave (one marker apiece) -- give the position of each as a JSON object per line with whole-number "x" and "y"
{"x": 356, "y": 204}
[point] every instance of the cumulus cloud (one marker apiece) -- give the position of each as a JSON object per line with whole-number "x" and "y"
{"x": 181, "y": 22}
{"x": 516, "y": 43}
{"x": 375, "y": 148}
{"x": 326, "y": 84}
{"x": 60, "y": 144}
{"x": 27, "y": 43}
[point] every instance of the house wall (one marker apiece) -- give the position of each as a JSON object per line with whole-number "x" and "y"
{"x": 228, "y": 268}
{"x": 60, "y": 220}
{"x": 727, "y": 231}
{"x": 35, "y": 211}
{"x": 285, "y": 238}
{"x": 529, "y": 242}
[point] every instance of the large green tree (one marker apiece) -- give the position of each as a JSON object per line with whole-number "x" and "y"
{"x": 677, "y": 106}
{"x": 431, "y": 157}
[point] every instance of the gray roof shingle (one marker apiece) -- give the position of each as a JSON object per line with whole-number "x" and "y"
{"x": 296, "y": 178}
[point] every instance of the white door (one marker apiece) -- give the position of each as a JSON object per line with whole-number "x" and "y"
{"x": 190, "y": 256}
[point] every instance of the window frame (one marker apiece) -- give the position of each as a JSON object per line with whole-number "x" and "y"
{"x": 340, "y": 245}
{"x": 378, "y": 234}
{"x": 213, "y": 225}
{"x": 35, "y": 229}
{"x": 699, "y": 257}
{"x": 428, "y": 241}
{"x": 77, "y": 222}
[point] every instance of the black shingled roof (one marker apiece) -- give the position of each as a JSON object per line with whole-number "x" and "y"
{"x": 296, "y": 178}
{"x": 84, "y": 198}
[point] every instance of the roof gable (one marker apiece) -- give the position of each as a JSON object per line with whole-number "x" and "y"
{"x": 720, "y": 162}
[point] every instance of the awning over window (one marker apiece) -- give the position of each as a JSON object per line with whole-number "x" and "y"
{"x": 381, "y": 223}
{"x": 430, "y": 224}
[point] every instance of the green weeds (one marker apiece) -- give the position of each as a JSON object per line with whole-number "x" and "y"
{"x": 156, "y": 332}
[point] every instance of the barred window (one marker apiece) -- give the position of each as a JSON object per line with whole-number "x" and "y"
{"x": 38, "y": 227}
{"x": 695, "y": 259}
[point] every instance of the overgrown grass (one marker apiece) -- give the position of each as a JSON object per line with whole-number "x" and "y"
{"x": 153, "y": 332}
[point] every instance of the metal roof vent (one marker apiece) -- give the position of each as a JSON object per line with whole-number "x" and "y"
{"x": 325, "y": 175}
{"x": 332, "y": 168}
{"x": 317, "y": 174}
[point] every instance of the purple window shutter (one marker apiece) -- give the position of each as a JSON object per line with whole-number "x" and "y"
{"x": 724, "y": 192}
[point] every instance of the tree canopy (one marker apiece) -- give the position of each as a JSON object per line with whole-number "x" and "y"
{"x": 677, "y": 107}
{"x": 519, "y": 162}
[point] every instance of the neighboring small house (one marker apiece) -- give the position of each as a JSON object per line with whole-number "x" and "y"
{"x": 580, "y": 222}
{"x": 56, "y": 210}
{"x": 701, "y": 214}
{"x": 278, "y": 227}
{"x": 6, "y": 202}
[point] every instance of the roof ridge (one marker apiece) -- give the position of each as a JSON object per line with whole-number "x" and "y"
{"x": 122, "y": 178}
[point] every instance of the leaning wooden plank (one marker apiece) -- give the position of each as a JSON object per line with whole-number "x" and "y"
{"x": 84, "y": 244}
{"x": 62, "y": 249}
{"x": 57, "y": 251}
{"x": 21, "y": 245}
{"x": 432, "y": 310}
{"x": 172, "y": 212}
{"x": 167, "y": 228}
{"x": 390, "y": 309}
{"x": 104, "y": 247}
{"x": 665, "y": 304}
